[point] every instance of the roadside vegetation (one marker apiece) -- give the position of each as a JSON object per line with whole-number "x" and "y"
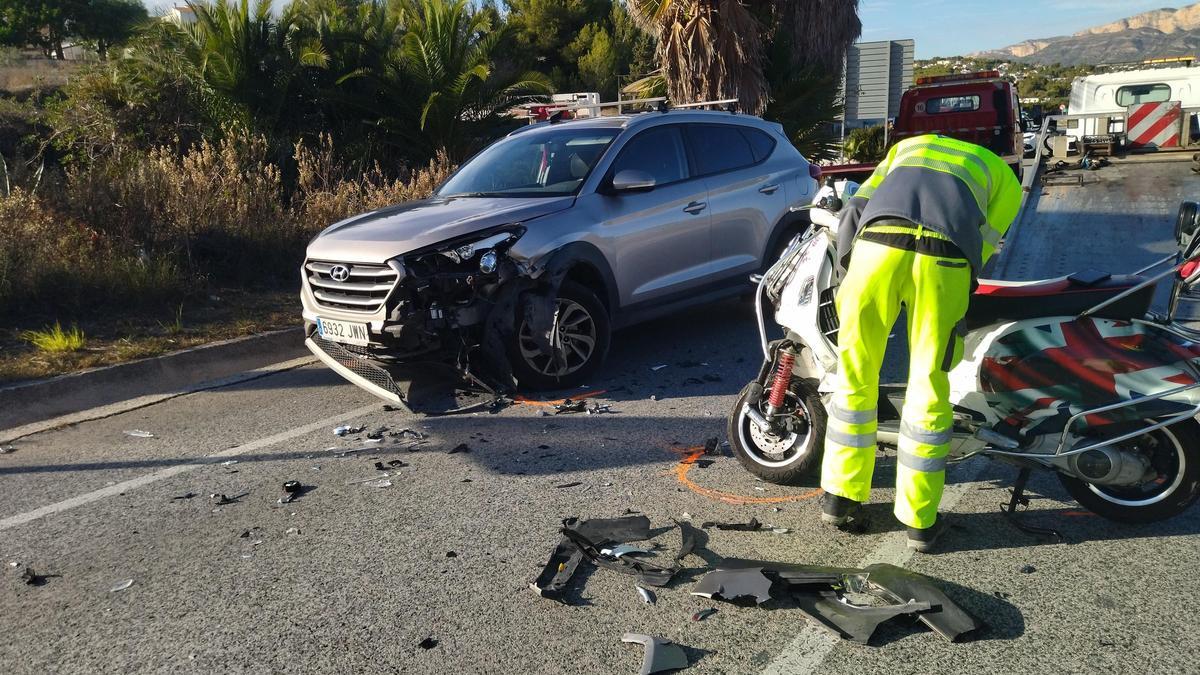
{"x": 177, "y": 163}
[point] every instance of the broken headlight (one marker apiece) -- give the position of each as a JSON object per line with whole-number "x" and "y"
{"x": 461, "y": 253}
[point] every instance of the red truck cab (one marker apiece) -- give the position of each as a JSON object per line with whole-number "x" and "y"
{"x": 980, "y": 108}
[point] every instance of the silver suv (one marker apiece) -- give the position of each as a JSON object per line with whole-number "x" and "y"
{"x": 520, "y": 266}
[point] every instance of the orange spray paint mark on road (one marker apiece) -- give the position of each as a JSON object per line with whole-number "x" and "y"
{"x": 587, "y": 394}
{"x": 690, "y": 455}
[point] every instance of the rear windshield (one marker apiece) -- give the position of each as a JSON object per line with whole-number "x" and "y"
{"x": 950, "y": 104}
{"x": 1143, "y": 93}
{"x": 544, "y": 163}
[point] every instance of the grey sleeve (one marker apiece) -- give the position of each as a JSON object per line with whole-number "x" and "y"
{"x": 848, "y": 228}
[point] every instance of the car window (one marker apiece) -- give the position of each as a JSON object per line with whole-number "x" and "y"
{"x": 949, "y": 104}
{"x": 718, "y": 147}
{"x": 1143, "y": 93}
{"x": 543, "y": 163}
{"x": 761, "y": 143}
{"x": 658, "y": 151}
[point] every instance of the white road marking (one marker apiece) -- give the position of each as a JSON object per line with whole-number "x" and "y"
{"x": 126, "y": 486}
{"x": 15, "y": 433}
{"x": 812, "y": 646}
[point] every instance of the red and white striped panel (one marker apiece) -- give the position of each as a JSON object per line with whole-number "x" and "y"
{"x": 1153, "y": 125}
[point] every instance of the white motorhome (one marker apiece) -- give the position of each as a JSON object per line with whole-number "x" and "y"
{"x": 1112, "y": 93}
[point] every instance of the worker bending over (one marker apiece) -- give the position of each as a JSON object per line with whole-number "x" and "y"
{"x": 921, "y": 228}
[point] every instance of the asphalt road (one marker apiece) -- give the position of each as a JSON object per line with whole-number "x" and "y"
{"x": 353, "y": 578}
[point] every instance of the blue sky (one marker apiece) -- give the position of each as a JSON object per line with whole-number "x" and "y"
{"x": 956, "y": 27}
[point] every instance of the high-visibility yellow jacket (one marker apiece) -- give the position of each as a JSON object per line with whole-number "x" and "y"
{"x": 959, "y": 189}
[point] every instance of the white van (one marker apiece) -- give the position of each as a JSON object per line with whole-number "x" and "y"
{"x": 1113, "y": 93}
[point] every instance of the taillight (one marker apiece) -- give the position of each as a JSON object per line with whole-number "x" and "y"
{"x": 814, "y": 171}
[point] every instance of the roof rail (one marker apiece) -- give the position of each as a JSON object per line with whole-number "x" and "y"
{"x": 657, "y": 102}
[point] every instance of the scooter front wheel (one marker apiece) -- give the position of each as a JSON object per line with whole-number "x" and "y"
{"x": 788, "y": 455}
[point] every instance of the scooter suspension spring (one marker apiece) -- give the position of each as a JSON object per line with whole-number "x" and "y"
{"x": 783, "y": 377}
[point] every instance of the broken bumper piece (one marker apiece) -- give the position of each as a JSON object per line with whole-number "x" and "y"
{"x": 357, "y": 369}
{"x": 821, "y": 592}
{"x": 596, "y": 541}
{"x": 660, "y": 655}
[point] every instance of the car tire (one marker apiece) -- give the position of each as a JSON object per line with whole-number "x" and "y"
{"x": 587, "y": 319}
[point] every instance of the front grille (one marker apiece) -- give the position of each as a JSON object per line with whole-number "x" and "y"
{"x": 364, "y": 290}
{"x": 357, "y": 365}
{"x": 827, "y": 315}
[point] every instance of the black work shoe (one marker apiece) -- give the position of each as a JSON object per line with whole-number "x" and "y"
{"x": 922, "y": 541}
{"x": 836, "y": 509}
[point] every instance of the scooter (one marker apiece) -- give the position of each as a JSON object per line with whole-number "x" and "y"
{"x": 1074, "y": 375}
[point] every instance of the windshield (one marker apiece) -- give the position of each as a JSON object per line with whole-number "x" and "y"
{"x": 546, "y": 164}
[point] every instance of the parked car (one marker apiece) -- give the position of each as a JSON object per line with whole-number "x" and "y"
{"x": 526, "y": 259}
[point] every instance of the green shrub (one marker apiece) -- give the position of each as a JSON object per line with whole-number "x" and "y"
{"x": 56, "y": 340}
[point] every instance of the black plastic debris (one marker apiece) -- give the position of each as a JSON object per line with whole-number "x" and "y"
{"x": 413, "y": 433}
{"x": 710, "y": 445}
{"x": 569, "y": 485}
{"x": 376, "y": 435}
{"x": 186, "y": 495}
{"x": 498, "y": 404}
{"x": 569, "y": 406}
{"x": 1028, "y": 569}
{"x": 752, "y": 526}
{"x": 704, "y": 614}
{"x": 733, "y": 585}
{"x": 598, "y": 409}
{"x": 347, "y": 430}
{"x": 821, "y": 593}
{"x": 291, "y": 490}
{"x": 427, "y": 643}
{"x": 661, "y": 654}
{"x": 390, "y": 408}
{"x": 451, "y": 554}
{"x": 588, "y": 539}
{"x": 219, "y": 499}
{"x": 461, "y": 447}
{"x": 32, "y": 578}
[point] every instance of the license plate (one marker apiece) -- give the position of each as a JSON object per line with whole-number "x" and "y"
{"x": 343, "y": 331}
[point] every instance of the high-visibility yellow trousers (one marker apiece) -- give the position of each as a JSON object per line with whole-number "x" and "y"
{"x": 935, "y": 291}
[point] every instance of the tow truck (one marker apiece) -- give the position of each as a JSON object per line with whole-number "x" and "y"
{"x": 980, "y": 108}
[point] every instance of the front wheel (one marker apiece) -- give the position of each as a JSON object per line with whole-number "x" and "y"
{"x": 1174, "y": 456}
{"x": 786, "y": 457}
{"x": 581, "y": 333}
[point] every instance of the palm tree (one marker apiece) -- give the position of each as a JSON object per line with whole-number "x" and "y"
{"x": 715, "y": 49}
{"x": 445, "y": 91}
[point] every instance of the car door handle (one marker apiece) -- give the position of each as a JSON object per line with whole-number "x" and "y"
{"x": 769, "y": 189}
{"x": 695, "y": 207}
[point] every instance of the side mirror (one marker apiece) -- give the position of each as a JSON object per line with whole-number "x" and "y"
{"x": 1024, "y": 125}
{"x": 632, "y": 180}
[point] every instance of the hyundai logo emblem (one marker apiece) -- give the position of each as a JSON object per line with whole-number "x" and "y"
{"x": 339, "y": 273}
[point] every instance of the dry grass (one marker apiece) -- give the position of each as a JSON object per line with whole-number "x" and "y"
{"x": 55, "y": 340}
{"x": 124, "y": 337}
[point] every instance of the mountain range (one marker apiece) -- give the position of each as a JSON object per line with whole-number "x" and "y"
{"x": 1159, "y": 33}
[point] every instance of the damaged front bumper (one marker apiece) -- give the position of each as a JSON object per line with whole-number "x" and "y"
{"x": 453, "y": 305}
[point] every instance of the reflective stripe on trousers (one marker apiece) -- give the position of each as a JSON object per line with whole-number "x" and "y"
{"x": 879, "y": 281}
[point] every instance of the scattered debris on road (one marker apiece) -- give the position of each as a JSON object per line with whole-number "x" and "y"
{"x": 138, "y": 433}
{"x": 590, "y": 538}
{"x": 624, "y": 549}
{"x": 822, "y": 594}
{"x": 186, "y": 495}
{"x": 1028, "y": 569}
{"x": 32, "y": 578}
{"x": 569, "y": 485}
{"x": 121, "y": 585}
{"x": 427, "y": 643}
{"x": 347, "y": 430}
{"x": 661, "y": 654}
{"x": 598, "y": 409}
{"x": 752, "y": 526}
{"x": 710, "y": 445}
{"x": 291, "y": 490}
{"x": 219, "y": 499}
{"x": 379, "y": 483}
{"x": 570, "y": 406}
{"x": 461, "y": 447}
{"x": 646, "y": 595}
{"x": 659, "y": 367}
{"x": 704, "y": 614}
{"x": 7, "y": 449}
